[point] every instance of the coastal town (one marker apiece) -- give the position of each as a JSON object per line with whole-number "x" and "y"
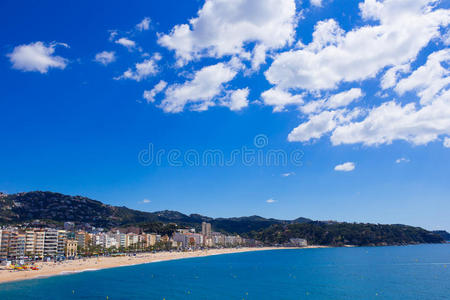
{"x": 27, "y": 253}
{"x": 53, "y": 244}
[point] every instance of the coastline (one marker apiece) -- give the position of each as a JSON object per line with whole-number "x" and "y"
{"x": 47, "y": 269}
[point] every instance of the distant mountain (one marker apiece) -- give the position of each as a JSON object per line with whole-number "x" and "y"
{"x": 339, "y": 234}
{"x": 246, "y": 224}
{"x": 57, "y": 208}
{"x": 444, "y": 234}
{"x": 26, "y": 207}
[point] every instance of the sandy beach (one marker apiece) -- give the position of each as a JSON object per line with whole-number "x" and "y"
{"x": 71, "y": 266}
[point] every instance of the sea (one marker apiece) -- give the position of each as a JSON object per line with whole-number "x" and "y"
{"x": 399, "y": 272}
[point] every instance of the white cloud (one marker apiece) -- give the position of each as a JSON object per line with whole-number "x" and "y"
{"x": 326, "y": 33}
{"x": 390, "y": 78}
{"x": 371, "y": 9}
{"x": 207, "y": 84}
{"x": 387, "y": 46}
{"x": 320, "y": 124}
{"x": 316, "y": 3}
{"x": 343, "y": 98}
{"x": 129, "y": 44}
{"x": 401, "y": 160}
{"x": 313, "y": 106}
{"x": 288, "y": 174}
{"x": 447, "y": 142}
{"x": 335, "y": 101}
{"x": 406, "y": 27}
{"x": 271, "y": 201}
{"x": 345, "y": 167}
{"x": 259, "y": 56}
{"x": 146, "y": 201}
{"x": 37, "y": 57}
{"x": 392, "y": 121}
{"x": 158, "y": 88}
{"x": 399, "y": 30}
{"x": 446, "y": 38}
{"x": 105, "y": 57}
{"x": 144, "y": 24}
{"x": 279, "y": 99}
{"x": 112, "y": 35}
{"x": 224, "y": 27}
{"x": 315, "y": 127}
{"x": 236, "y": 100}
{"x": 428, "y": 79}
{"x": 142, "y": 70}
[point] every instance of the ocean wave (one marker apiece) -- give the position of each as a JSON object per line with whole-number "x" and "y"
{"x": 77, "y": 271}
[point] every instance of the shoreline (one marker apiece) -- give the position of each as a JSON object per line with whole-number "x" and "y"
{"x": 48, "y": 269}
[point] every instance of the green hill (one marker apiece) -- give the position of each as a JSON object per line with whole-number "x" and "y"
{"x": 339, "y": 234}
{"x": 54, "y": 208}
{"x": 58, "y": 208}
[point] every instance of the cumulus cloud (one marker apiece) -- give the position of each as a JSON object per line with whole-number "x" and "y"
{"x": 158, "y": 88}
{"x": 326, "y": 33}
{"x": 371, "y": 9}
{"x": 259, "y": 56}
{"x": 37, "y": 57}
{"x": 237, "y": 99}
{"x": 199, "y": 93}
{"x": 279, "y": 99}
{"x": 316, "y": 126}
{"x": 390, "y": 78}
{"x": 343, "y": 98}
{"x": 405, "y": 27}
{"x": 145, "y": 201}
{"x": 316, "y": 78}
{"x": 105, "y": 57}
{"x": 335, "y": 101}
{"x": 144, "y": 24}
{"x": 392, "y": 121}
{"x": 428, "y": 79}
{"x": 142, "y": 70}
{"x": 320, "y": 124}
{"x": 271, "y": 201}
{"x": 129, "y": 44}
{"x": 390, "y": 43}
{"x": 224, "y": 27}
{"x": 345, "y": 167}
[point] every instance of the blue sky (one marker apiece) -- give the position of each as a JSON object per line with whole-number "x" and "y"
{"x": 359, "y": 88}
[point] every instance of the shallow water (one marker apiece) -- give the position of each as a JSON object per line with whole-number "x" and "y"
{"x": 407, "y": 272}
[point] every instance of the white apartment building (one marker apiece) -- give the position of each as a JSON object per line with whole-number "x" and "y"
{"x": 188, "y": 239}
{"x": 150, "y": 239}
{"x": 39, "y": 242}
{"x": 111, "y": 241}
{"x": 6, "y": 242}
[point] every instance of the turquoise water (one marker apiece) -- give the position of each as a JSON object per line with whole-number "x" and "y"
{"x": 410, "y": 272}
